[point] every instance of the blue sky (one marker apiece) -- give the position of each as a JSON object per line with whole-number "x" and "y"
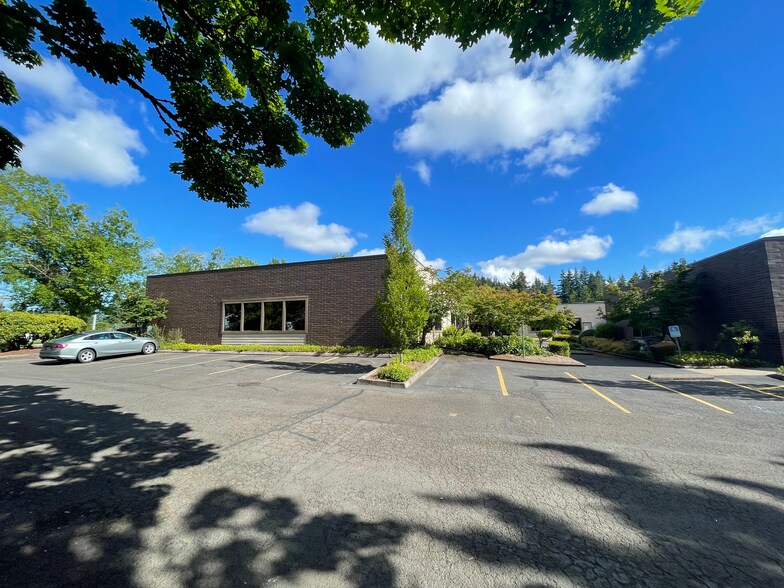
{"x": 555, "y": 163}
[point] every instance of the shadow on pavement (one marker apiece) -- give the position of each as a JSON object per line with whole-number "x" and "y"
{"x": 76, "y": 481}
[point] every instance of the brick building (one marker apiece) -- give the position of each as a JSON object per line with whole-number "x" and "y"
{"x": 744, "y": 283}
{"x": 328, "y": 302}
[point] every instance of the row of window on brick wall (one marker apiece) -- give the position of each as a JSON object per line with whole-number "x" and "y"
{"x": 270, "y": 315}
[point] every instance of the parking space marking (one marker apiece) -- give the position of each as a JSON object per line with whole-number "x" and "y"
{"x": 684, "y": 394}
{"x": 175, "y": 367}
{"x": 501, "y": 381}
{"x": 117, "y": 367}
{"x": 772, "y": 388}
{"x": 595, "y": 391}
{"x": 303, "y": 369}
{"x": 761, "y": 391}
{"x": 2, "y": 361}
{"x": 250, "y": 365}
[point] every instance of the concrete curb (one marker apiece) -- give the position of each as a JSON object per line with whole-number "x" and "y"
{"x": 370, "y": 380}
{"x": 295, "y": 353}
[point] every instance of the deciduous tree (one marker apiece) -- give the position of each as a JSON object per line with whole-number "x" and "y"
{"x": 54, "y": 257}
{"x": 246, "y": 79}
{"x": 403, "y": 305}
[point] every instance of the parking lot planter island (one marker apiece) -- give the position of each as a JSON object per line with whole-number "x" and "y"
{"x": 397, "y": 374}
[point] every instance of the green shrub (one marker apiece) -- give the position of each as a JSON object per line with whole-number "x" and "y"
{"x": 603, "y": 344}
{"x": 461, "y": 339}
{"x": 173, "y": 335}
{"x": 587, "y": 333}
{"x": 780, "y": 369}
{"x": 20, "y": 329}
{"x": 741, "y": 338}
{"x": 276, "y": 348}
{"x": 715, "y": 358}
{"x": 545, "y": 333}
{"x": 663, "y": 350}
{"x": 421, "y": 354}
{"x": 395, "y": 371}
{"x": 560, "y": 348}
{"x": 607, "y": 331}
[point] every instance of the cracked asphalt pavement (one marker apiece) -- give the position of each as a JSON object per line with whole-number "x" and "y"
{"x": 216, "y": 470}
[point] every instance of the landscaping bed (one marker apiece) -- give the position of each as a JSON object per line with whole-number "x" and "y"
{"x": 540, "y": 359}
{"x": 397, "y": 374}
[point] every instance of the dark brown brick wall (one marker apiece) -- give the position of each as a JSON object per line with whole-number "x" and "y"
{"x": 745, "y": 283}
{"x": 341, "y": 297}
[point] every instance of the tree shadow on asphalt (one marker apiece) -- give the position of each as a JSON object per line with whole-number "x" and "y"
{"x": 77, "y": 486}
{"x": 271, "y": 540}
{"x": 699, "y": 388}
{"x": 336, "y": 368}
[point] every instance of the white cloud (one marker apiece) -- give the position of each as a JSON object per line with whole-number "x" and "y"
{"x": 610, "y": 199}
{"x": 774, "y": 233}
{"x": 665, "y": 48}
{"x": 79, "y": 137}
{"x": 545, "y": 114}
{"x": 697, "y": 238}
{"x": 387, "y": 74}
{"x": 423, "y": 170}
{"x": 364, "y": 252}
{"x": 546, "y": 199}
{"x": 299, "y": 228}
{"x": 548, "y": 252}
{"x": 480, "y": 105}
{"x": 437, "y": 264}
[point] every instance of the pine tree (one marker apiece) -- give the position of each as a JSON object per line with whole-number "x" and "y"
{"x": 403, "y": 305}
{"x": 518, "y": 282}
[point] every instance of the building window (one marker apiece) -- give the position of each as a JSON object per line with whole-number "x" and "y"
{"x": 273, "y": 316}
{"x": 295, "y": 315}
{"x": 251, "y": 318}
{"x": 231, "y": 317}
{"x": 269, "y": 315}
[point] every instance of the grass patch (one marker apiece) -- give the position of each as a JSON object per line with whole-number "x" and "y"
{"x": 780, "y": 369}
{"x": 275, "y": 348}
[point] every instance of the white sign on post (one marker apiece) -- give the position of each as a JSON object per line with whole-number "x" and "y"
{"x": 675, "y": 331}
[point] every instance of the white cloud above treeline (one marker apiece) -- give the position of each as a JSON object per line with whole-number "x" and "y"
{"x": 300, "y": 229}
{"x": 696, "y": 238}
{"x": 481, "y": 106}
{"x": 611, "y": 199}
{"x": 76, "y": 135}
{"x": 546, "y": 253}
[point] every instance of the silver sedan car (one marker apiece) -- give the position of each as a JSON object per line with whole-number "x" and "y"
{"x": 85, "y": 347}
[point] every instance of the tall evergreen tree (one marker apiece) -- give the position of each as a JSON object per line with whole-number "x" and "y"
{"x": 403, "y": 305}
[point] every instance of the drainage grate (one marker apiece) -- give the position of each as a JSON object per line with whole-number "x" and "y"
{"x": 248, "y": 384}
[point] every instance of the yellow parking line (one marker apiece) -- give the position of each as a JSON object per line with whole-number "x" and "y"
{"x": 595, "y": 391}
{"x": 772, "y": 388}
{"x": 117, "y": 367}
{"x": 761, "y": 391}
{"x": 501, "y": 381}
{"x": 250, "y": 365}
{"x": 683, "y": 394}
{"x": 176, "y": 367}
{"x": 303, "y": 369}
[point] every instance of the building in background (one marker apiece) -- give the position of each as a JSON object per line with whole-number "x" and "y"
{"x": 327, "y": 302}
{"x": 744, "y": 283}
{"x": 589, "y": 314}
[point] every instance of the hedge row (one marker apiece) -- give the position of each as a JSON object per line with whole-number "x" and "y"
{"x": 20, "y": 329}
{"x": 471, "y": 342}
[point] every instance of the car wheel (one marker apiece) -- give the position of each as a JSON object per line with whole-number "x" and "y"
{"x": 85, "y": 356}
{"x": 148, "y": 348}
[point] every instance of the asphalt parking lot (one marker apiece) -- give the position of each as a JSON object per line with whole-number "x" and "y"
{"x": 232, "y": 469}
